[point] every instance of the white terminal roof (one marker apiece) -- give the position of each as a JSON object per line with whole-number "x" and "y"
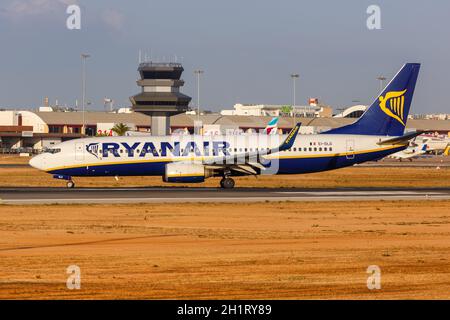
{"x": 92, "y": 118}
{"x": 184, "y": 120}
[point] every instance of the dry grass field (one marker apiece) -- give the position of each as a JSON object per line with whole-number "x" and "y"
{"x": 347, "y": 177}
{"x": 275, "y": 250}
{"x": 13, "y": 159}
{"x": 259, "y": 250}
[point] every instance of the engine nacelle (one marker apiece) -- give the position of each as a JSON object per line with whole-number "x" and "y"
{"x": 185, "y": 173}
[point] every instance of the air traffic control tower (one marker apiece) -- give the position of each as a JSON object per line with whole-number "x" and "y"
{"x": 160, "y": 97}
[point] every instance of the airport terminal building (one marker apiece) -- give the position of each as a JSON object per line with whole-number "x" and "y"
{"x": 32, "y": 131}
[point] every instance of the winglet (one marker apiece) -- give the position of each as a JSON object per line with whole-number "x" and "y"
{"x": 290, "y": 139}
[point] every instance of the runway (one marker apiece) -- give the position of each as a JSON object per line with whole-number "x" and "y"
{"x": 39, "y": 195}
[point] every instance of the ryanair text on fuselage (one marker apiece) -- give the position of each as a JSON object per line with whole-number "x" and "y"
{"x": 141, "y": 149}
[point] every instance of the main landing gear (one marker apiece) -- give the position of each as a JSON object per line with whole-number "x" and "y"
{"x": 227, "y": 183}
{"x": 70, "y": 184}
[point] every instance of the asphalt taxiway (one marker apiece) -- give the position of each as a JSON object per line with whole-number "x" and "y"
{"x": 43, "y": 195}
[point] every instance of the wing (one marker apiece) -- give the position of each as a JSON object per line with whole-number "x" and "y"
{"x": 250, "y": 163}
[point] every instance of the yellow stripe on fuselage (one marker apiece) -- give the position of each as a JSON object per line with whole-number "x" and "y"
{"x": 99, "y": 164}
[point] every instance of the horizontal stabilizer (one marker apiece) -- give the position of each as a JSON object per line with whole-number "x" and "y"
{"x": 403, "y": 139}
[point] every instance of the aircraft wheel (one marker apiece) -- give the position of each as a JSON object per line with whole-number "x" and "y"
{"x": 227, "y": 183}
{"x": 70, "y": 184}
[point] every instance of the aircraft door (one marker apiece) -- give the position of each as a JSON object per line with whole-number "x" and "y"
{"x": 350, "y": 149}
{"x": 79, "y": 151}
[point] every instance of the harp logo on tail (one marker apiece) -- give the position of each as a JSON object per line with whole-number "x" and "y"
{"x": 392, "y": 104}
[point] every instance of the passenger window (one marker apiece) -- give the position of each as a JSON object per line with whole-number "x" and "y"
{"x": 310, "y": 149}
{"x": 320, "y": 149}
{"x": 331, "y": 149}
{"x": 315, "y": 149}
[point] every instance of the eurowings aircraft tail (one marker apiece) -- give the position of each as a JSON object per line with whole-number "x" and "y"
{"x": 388, "y": 113}
{"x": 271, "y": 126}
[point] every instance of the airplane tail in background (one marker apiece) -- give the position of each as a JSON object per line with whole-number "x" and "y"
{"x": 388, "y": 113}
{"x": 271, "y": 126}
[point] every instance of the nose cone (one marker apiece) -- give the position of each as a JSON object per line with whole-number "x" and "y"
{"x": 38, "y": 162}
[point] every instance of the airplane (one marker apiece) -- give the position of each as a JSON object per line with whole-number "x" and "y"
{"x": 436, "y": 144}
{"x": 271, "y": 127}
{"x": 410, "y": 152}
{"x": 378, "y": 133}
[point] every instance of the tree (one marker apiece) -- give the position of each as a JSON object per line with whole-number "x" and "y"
{"x": 286, "y": 110}
{"x": 120, "y": 129}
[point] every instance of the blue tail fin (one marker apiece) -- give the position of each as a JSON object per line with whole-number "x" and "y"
{"x": 388, "y": 113}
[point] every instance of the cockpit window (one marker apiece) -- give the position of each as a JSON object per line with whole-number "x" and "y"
{"x": 53, "y": 150}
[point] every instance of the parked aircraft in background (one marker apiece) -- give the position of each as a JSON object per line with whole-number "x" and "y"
{"x": 410, "y": 152}
{"x": 436, "y": 144}
{"x": 378, "y": 133}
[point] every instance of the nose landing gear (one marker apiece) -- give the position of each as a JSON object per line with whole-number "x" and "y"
{"x": 70, "y": 184}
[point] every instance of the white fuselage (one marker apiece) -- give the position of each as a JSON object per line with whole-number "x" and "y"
{"x": 147, "y": 155}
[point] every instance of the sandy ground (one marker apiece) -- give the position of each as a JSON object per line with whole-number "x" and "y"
{"x": 347, "y": 177}
{"x": 401, "y": 176}
{"x": 260, "y": 250}
{"x": 13, "y": 159}
{"x": 256, "y": 250}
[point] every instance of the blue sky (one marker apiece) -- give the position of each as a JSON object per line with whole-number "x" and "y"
{"x": 246, "y": 48}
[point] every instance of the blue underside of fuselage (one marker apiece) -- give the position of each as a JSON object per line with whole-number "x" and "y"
{"x": 285, "y": 166}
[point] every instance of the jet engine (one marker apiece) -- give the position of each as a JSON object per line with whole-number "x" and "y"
{"x": 186, "y": 173}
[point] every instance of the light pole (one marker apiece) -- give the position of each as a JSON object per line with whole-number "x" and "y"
{"x": 294, "y": 77}
{"x": 83, "y": 89}
{"x": 381, "y": 79}
{"x": 198, "y": 72}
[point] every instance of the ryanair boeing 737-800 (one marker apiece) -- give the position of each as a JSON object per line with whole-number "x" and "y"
{"x": 379, "y": 132}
